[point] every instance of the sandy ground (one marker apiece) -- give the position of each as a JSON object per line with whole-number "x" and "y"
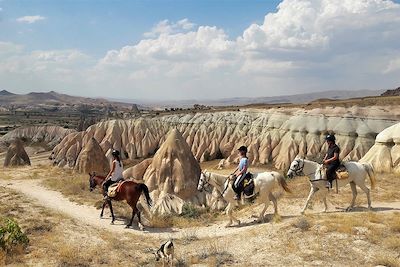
{"x": 278, "y": 242}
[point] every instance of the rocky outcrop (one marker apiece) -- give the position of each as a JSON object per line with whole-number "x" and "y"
{"x": 136, "y": 172}
{"x": 49, "y": 136}
{"x": 274, "y": 136}
{"x": 385, "y": 153}
{"x": 394, "y": 92}
{"x": 173, "y": 174}
{"x": 16, "y": 155}
{"x": 92, "y": 159}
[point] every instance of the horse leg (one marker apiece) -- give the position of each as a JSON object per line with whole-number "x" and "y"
{"x": 261, "y": 216}
{"x": 325, "y": 203}
{"x": 275, "y": 202}
{"x": 102, "y": 209}
{"x": 112, "y": 212}
{"x": 353, "y": 200}
{"x": 140, "y": 225}
{"x": 131, "y": 220}
{"x": 312, "y": 192}
{"x": 367, "y": 192}
{"x": 229, "y": 213}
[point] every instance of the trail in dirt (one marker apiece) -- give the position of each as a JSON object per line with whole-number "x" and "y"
{"x": 90, "y": 215}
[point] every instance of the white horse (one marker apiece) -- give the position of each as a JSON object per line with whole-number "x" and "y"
{"x": 264, "y": 184}
{"x": 357, "y": 175}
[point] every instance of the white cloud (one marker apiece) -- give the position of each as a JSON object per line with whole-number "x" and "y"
{"x": 30, "y": 19}
{"x": 304, "y": 45}
{"x": 167, "y": 27}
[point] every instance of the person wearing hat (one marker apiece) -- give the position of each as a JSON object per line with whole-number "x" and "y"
{"x": 331, "y": 160}
{"x": 240, "y": 171}
{"x": 115, "y": 174}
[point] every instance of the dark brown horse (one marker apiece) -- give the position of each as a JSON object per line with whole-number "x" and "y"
{"x": 129, "y": 191}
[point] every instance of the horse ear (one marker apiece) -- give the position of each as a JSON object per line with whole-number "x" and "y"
{"x": 90, "y": 174}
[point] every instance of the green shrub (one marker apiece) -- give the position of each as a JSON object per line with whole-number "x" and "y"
{"x": 11, "y": 236}
{"x": 190, "y": 211}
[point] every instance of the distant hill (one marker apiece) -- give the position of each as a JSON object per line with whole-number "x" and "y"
{"x": 394, "y": 92}
{"x": 52, "y": 99}
{"x": 241, "y": 101}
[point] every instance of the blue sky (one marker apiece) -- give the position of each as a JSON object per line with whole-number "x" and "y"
{"x": 185, "y": 49}
{"x": 98, "y": 26}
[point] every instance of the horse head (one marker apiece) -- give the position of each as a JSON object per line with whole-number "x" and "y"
{"x": 203, "y": 181}
{"x": 296, "y": 167}
{"x": 92, "y": 182}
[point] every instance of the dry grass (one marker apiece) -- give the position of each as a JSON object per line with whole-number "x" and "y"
{"x": 56, "y": 240}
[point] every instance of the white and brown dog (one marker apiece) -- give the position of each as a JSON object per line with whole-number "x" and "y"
{"x": 165, "y": 253}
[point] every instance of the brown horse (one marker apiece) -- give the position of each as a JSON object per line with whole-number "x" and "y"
{"x": 129, "y": 191}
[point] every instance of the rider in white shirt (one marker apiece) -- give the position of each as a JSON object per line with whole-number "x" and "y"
{"x": 115, "y": 174}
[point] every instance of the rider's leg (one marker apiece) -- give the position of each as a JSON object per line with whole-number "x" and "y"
{"x": 106, "y": 184}
{"x": 330, "y": 173}
{"x": 238, "y": 186}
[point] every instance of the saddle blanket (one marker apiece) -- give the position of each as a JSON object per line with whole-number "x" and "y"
{"x": 114, "y": 189}
{"x": 342, "y": 173}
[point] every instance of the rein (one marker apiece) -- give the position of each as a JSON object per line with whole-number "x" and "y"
{"x": 300, "y": 170}
{"x": 207, "y": 182}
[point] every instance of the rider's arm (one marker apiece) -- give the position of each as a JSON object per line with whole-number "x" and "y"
{"x": 111, "y": 171}
{"x": 335, "y": 157}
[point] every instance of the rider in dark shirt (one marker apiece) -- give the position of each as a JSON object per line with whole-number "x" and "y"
{"x": 331, "y": 160}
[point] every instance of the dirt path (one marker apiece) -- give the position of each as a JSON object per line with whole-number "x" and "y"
{"x": 90, "y": 215}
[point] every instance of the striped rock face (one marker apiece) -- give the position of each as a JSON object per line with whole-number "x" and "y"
{"x": 385, "y": 153}
{"x": 274, "y": 136}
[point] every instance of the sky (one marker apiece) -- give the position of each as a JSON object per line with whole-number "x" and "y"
{"x": 198, "y": 49}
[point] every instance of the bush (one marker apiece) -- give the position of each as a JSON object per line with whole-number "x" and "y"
{"x": 12, "y": 239}
{"x": 190, "y": 211}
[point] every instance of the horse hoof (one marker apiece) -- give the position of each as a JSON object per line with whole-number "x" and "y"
{"x": 101, "y": 216}
{"x": 238, "y": 222}
{"x": 112, "y": 222}
{"x": 127, "y": 226}
{"x": 228, "y": 225}
{"x": 349, "y": 209}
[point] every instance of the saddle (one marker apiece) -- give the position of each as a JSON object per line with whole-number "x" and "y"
{"x": 341, "y": 172}
{"x": 248, "y": 185}
{"x": 114, "y": 189}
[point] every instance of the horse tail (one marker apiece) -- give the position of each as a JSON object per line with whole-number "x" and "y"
{"x": 371, "y": 174}
{"x": 145, "y": 190}
{"x": 282, "y": 182}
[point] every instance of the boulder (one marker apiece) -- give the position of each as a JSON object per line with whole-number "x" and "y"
{"x": 173, "y": 171}
{"x": 92, "y": 159}
{"x": 384, "y": 155}
{"x": 136, "y": 172}
{"x": 16, "y": 155}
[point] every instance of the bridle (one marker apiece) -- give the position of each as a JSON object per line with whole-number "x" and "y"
{"x": 299, "y": 168}
{"x": 299, "y": 171}
{"x": 206, "y": 182}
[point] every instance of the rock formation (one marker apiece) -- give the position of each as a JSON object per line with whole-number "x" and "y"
{"x": 48, "y": 135}
{"x": 92, "y": 159}
{"x": 273, "y": 135}
{"x": 16, "y": 155}
{"x": 173, "y": 175}
{"x": 385, "y": 153}
{"x": 136, "y": 172}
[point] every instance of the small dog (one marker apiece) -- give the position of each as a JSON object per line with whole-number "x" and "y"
{"x": 165, "y": 253}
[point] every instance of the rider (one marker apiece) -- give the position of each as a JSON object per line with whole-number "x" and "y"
{"x": 331, "y": 160}
{"x": 240, "y": 171}
{"x": 115, "y": 175}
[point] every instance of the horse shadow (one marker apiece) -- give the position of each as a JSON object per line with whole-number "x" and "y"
{"x": 269, "y": 218}
{"x": 365, "y": 209}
